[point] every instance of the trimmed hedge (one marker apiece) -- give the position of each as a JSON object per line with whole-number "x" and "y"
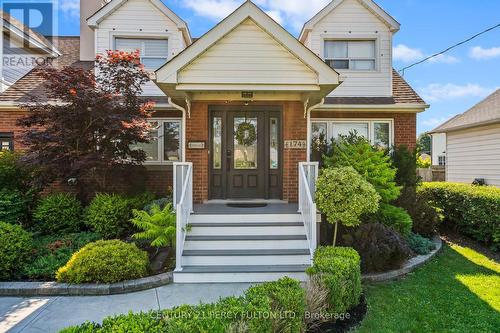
{"x": 339, "y": 270}
{"x": 109, "y": 215}
{"x": 267, "y": 308}
{"x": 472, "y": 210}
{"x": 58, "y": 213}
{"x": 15, "y": 248}
{"x": 105, "y": 261}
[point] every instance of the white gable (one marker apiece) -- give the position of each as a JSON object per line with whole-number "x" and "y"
{"x": 249, "y": 55}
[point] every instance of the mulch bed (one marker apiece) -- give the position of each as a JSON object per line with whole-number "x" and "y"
{"x": 453, "y": 237}
{"x": 356, "y": 315}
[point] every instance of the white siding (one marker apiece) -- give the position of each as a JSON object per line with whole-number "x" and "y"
{"x": 139, "y": 18}
{"x": 351, "y": 20}
{"x": 438, "y": 147}
{"x": 248, "y": 54}
{"x": 474, "y": 153}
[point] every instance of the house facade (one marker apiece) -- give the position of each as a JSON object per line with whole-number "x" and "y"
{"x": 473, "y": 143}
{"x": 335, "y": 78}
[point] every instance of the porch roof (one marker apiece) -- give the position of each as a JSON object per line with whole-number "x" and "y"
{"x": 247, "y": 51}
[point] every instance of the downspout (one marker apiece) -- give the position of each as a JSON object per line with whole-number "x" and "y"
{"x": 183, "y": 125}
{"x": 309, "y": 127}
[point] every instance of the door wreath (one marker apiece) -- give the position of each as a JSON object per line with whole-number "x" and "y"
{"x": 246, "y": 134}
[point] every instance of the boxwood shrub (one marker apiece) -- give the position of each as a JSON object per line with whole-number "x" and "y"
{"x": 267, "y": 308}
{"x": 105, "y": 261}
{"x": 58, "y": 213}
{"x": 339, "y": 270}
{"x": 109, "y": 215}
{"x": 15, "y": 248}
{"x": 472, "y": 210}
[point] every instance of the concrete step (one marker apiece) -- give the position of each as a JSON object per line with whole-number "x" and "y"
{"x": 243, "y": 230}
{"x": 246, "y": 242}
{"x": 208, "y": 218}
{"x": 239, "y": 273}
{"x": 247, "y": 257}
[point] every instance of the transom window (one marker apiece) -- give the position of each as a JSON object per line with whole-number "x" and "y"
{"x": 165, "y": 146}
{"x": 7, "y": 141}
{"x": 358, "y": 55}
{"x": 378, "y": 132}
{"x": 154, "y": 52}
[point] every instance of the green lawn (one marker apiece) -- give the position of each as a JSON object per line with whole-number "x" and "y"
{"x": 458, "y": 291}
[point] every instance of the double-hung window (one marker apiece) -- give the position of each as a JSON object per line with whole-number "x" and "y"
{"x": 356, "y": 55}
{"x": 442, "y": 160}
{"x": 153, "y": 52}
{"x": 378, "y": 132}
{"x": 6, "y": 141}
{"x": 166, "y": 145}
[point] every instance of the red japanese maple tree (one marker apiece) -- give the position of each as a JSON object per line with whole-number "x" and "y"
{"x": 86, "y": 126}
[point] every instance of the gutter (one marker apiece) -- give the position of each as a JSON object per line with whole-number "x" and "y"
{"x": 468, "y": 126}
{"x": 309, "y": 128}
{"x": 183, "y": 130}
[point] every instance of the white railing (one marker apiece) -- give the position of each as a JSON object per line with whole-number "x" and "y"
{"x": 308, "y": 174}
{"x": 183, "y": 202}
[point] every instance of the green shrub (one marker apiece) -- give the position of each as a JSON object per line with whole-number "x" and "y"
{"x": 15, "y": 248}
{"x": 162, "y": 203}
{"x": 105, "y": 261}
{"x": 405, "y": 162}
{"x": 425, "y": 218}
{"x": 139, "y": 201}
{"x": 52, "y": 252}
{"x": 380, "y": 247}
{"x": 394, "y": 217}
{"x": 339, "y": 270}
{"x": 255, "y": 312}
{"x": 472, "y": 210}
{"x": 372, "y": 163}
{"x": 420, "y": 245}
{"x": 158, "y": 226}
{"x": 13, "y": 206}
{"x": 58, "y": 214}
{"x": 284, "y": 300}
{"x": 14, "y": 174}
{"x": 109, "y": 215}
{"x": 343, "y": 196}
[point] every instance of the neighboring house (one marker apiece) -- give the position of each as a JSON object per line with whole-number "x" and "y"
{"x": 473, "y": 143}
{"x": 21, "y": 49}
{"x": 336, "y": 78}
{"x": 438, "y": 149}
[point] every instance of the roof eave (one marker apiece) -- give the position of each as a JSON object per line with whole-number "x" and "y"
{"x": 467, "y": 126}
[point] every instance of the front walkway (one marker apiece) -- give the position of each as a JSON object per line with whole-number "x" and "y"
{"x": 51, "y": 314}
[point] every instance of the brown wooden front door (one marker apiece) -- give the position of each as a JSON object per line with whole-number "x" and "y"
{"x": 245, "y": 153}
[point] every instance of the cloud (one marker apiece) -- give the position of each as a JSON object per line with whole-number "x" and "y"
{"x": 435, "y": 92}
{"x": 407, "y": 54}
{"x": 292, "y": 12}
{"x": 480, "y": 53}
{"x": 404, "y": 53}
{"x": 434, "y": 122}
{"x": 70, "y": 7}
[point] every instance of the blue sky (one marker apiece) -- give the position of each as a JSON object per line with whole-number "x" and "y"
{"x": 451, "y": 84}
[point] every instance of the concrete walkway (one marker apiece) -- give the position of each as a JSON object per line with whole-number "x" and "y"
{"x": 51, "y": 314}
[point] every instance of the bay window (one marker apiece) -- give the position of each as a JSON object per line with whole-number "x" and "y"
{"x": 357, "y": 55}
{"x": 378, "y": 132}
{"x": 153, "y": 52}
{"x": 166, "y": 145}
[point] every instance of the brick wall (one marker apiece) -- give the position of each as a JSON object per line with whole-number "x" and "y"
{"x": 8, "y": 119}
{"x": 405, "y": 124}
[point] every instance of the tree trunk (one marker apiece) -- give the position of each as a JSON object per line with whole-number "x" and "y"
{"x": 335, "y": 234}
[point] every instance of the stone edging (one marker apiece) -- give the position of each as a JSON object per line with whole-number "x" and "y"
{"x": 407, "y": 268}
{"x": 65, "y": 289}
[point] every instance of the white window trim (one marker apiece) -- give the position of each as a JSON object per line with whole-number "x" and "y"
{"x": 161, "y": 158}
{"x": 353, "y": 37}
{"x": 370, "y": 121}
{"x": 141, "y": 35}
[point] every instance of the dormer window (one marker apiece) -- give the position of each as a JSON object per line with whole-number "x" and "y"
{"x": 356, "y": 55}
{"x": 154, "y": 52}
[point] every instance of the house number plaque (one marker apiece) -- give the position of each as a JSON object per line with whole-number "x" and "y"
{"x": 295, "y": 144}
{"x": 196, "y": 145}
